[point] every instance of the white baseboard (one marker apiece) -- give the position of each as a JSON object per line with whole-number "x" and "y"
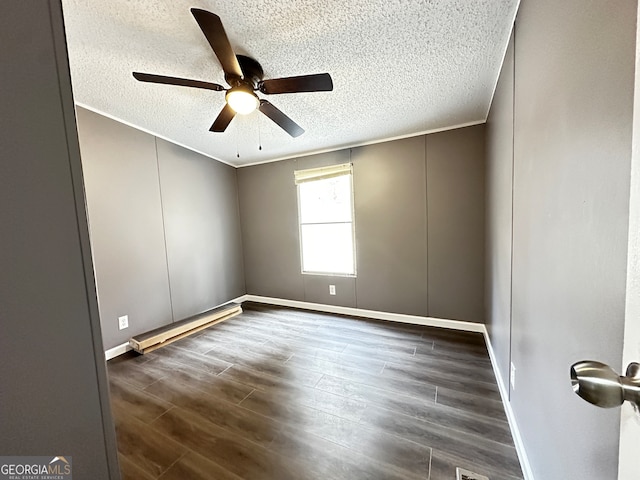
{"x": 511, "y": 418}
{"x": 359, "y": 312}
{"x": 240, "y": 299}
{"x": 355, "y": 312}
{"x": 117, "y": 350}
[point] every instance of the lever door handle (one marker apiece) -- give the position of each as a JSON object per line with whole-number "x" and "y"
{"x": 599, "y": 384}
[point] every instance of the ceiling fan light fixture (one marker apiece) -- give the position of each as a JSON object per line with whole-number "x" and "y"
{"x": 242, "y": 100}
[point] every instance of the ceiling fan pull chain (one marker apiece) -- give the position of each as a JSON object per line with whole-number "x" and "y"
{"x": 237, "y": 144}
{"x": 259, "y": 135}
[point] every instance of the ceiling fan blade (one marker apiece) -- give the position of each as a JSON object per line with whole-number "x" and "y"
{"x": 184, "y": 82}
{"x": 284, "y": 122}
{"x": 319, "y": 82}
{"x": 211, "y": 26}
{"x": 223, "y": 120}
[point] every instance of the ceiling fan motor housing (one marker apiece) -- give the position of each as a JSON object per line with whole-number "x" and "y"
{"x": 251, "y": 70}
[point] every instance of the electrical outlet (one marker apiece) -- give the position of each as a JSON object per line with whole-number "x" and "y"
{"x": 123, "y": 322}
{"x": 512, "y": 378}
{"x": 332, "y": 289}
{"x": 462, "y": 474}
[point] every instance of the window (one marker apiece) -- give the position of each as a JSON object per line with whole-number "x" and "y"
{"x": 325, "y": 212}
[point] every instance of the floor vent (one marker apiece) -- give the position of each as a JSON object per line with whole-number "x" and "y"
{"x": 462, "y": 474}
{"x": 148, "y": 342}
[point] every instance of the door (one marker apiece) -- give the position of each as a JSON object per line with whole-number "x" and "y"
{"x": 629, "y": 467}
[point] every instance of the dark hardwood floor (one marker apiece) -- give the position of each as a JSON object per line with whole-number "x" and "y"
{"x": 280, "y": 394}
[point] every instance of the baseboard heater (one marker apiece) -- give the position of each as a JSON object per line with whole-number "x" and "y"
{"x": 150, "y": 341}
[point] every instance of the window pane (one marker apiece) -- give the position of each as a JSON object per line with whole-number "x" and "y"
{"x": 326, "y": 200}
{"x": 327, "y": 248}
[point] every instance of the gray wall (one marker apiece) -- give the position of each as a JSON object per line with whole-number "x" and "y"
{"x": 127, "y": 235}
{"x": 165, "y": 227}
{"x": 53, "y": 388}
{"x": 268, "y": 214}
{"x": 391, "y": 226}
{"x": 574, "y": 71}
{"x": 499, "y": 216}
{"x": 395, "y": 202}
{"x": 202, "y": 225}
{"x": 455, "y": 215}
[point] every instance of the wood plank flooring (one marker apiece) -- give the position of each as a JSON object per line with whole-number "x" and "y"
{"x": 278, "y": 394}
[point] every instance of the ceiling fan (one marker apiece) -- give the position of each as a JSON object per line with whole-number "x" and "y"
{"x": 244, "y": 76}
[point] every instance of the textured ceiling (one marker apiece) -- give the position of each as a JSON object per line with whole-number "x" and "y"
{"x": 399, "y": 68}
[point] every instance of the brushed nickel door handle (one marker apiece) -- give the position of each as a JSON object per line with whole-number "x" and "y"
{"x": 599, "y": 384}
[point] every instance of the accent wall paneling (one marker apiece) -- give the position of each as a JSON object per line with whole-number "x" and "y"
{"x": 165, "y": 227}
{"x": 269, "y": 215}
{"x": 499, "y": 216}
{"x": 455, "y": 216}
{"x": 202, "y": 230}
{"x": 126, "y": 225}
{"x": 391, "y": 226}
{"x": 391, "y": 223}
{"x": 565, "y": 102}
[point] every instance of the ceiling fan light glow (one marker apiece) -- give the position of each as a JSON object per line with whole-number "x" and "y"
{"x": 242, "y": 100}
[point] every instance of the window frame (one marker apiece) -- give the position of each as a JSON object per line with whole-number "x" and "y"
{"x": 353, "y": 226}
